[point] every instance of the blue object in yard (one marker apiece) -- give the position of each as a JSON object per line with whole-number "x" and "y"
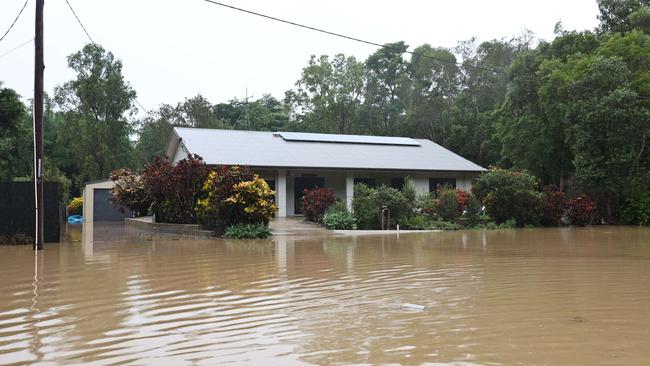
{"x": 75, "y": 219}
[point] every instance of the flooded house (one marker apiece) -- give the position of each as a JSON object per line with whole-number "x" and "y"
{"x": 294, "y": 161}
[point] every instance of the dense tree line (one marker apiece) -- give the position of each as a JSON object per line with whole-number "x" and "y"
{"x": 573, "y": 111}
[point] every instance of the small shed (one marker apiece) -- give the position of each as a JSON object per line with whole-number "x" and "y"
{"x": 97, "y": 203}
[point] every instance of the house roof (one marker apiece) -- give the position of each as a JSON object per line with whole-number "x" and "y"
{"x": 306, "y": 150}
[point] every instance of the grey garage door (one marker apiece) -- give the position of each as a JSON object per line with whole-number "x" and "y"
{"x": 103, "y": 210}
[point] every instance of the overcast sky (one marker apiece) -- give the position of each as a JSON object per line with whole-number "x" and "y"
{"x": 173, "y": 49}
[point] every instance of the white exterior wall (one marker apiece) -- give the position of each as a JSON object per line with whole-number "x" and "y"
{"x": 180, "y": 154}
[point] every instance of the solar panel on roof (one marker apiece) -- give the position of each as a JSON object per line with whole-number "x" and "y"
{"x": 347, "y": 139}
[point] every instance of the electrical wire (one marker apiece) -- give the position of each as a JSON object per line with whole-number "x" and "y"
{"x": 80, "y": 23}
{"x": 94, "y": 44}
{"x": 15, "y": 20}
{"x": 496, "y": 71}
{"x": 15, "y": 48}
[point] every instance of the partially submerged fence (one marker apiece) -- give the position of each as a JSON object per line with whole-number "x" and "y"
{"x": 17, "y": 210}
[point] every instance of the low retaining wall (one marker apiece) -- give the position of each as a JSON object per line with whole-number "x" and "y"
{"x": 145, "y": 227}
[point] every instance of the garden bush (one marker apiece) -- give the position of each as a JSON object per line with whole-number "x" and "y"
{"x": 247, "y": 231}
{"x": 635, "y": 208}
{"x": 462, "y": 198}
{"x": 427, "y": 204}
{"x": 234, "y": 195}
{"x": 129, "y": 192}
{"x": 418, "y": 222}
{"x": 449, "y": 208}
{"x": 424, "y": 222}
{"x": 368, "y": 202}
{"x": 76, "y": 206}
{"x": 510, "y": 194}
{"x": 473, "y": 210}
{"x": 555, "y": 205}
{"x": 315, "y": 201}
{"x": 173, "y": 189}
{"x": 398, "y": 204}
{"x": 581, "y": 210}
{"x": 339, "y": 220}
{"x": 364, "y": 206}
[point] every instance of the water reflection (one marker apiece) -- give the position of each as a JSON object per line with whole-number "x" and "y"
{"x": 569, "y": 296}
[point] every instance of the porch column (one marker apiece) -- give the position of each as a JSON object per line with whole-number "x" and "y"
{"x": 281, "y": 193}
{"x": 349, "y": 190}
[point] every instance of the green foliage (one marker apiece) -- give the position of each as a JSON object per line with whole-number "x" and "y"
{"x": 510, "y": 194}
{"x": 15, "y": 139}
{"x": 623, "y": 15}
{"x": 508, "y": 224}
{"x": 425, "y": 222}
{"x": 473, "y": 210}
{"x": 96, "y": 107}
{"x": 339, "y": 220}
{"x": 364, "y": 206}
{"x": 448, "y": 207}
{"x": 234, "y": 195}
{"x": 328, "y": 94}
{"x": 636, "y": 201}
{"x": 247, "y": 231}
{"x": 368, "y": 203}
{"x": 427, "y": 203}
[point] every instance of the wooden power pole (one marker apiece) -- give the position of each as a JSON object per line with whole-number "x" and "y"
{"x": 39, "y": 68}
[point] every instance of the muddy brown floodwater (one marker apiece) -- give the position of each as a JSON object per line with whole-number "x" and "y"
{"x": 531, "y": 297}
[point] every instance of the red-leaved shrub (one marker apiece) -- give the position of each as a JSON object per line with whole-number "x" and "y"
{"x": 555, "y": 204}
{"x": 462, "y": 197}
{"x": 316, "y": 201}
{"x": 173, "y": 189}
{"x": 581, "y": 210}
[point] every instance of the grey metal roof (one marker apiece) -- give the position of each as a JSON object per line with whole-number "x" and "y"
{"x": 268, "y": 149}
{"x": 350, "y": 139}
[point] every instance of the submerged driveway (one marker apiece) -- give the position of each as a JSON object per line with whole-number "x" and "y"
{"x": 297, "y": 227}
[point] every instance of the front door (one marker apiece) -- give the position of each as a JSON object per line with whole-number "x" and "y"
{"x": 302, "y": 183}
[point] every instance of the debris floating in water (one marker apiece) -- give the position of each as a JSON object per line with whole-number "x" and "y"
{"x": 412, "y": 306}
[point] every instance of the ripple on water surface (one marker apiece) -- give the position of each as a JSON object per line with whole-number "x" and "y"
{"x": 558, "y": 296}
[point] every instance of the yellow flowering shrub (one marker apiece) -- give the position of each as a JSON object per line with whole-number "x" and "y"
{"x": 234, "y": 195}
{"x": 76, "y": 206}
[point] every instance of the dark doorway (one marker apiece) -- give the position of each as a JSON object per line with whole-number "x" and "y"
{"x": 302, "y": 183}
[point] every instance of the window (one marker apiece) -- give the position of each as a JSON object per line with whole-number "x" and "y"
{"x": 370, "y": 182}
{"x": 397, "y": 183}
{"x": 435, "y": 183}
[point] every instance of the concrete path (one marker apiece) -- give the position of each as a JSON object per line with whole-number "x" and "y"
{"x": 297, "y": 227}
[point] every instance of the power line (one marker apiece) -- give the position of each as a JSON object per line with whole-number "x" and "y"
{"x": 349, "y": 37}
{"x": 140, "y": 105}
{"x": 15, "y": 20}
{"x": 94, "y": 44}
{"x": 15, "y": 48}
{"x": 80, "y": 23}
